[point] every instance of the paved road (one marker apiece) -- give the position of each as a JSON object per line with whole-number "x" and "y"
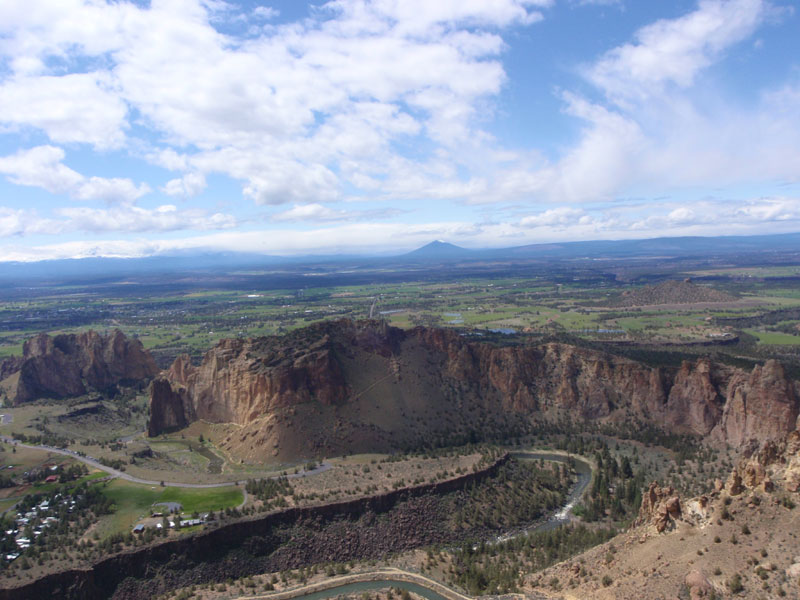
{"x": 122, "y": 475}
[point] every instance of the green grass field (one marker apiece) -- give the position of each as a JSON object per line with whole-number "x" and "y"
{"x": 127, "y": 495}
{"x": 134, "y": 501}
{"x": 775, "y": 338}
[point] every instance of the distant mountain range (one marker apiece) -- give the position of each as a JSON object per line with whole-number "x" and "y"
{"x": 436, "y": 252}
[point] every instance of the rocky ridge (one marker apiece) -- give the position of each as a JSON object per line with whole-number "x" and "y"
{"x": 68, "y": 365}
{"x": 744, "y": 528}
{"x": 359, "y": 386}
{"x": 671, "y": 292}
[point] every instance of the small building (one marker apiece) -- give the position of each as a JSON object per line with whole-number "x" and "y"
{"x": 191, "y": 522}
{"x": 138, "y": 529}
{"x": 51, "y": 479}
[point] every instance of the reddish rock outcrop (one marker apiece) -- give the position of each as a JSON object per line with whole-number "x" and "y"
{"x": 9, "y": 366}
{"x": 72, "y": 364}
{"x": 695, "y": 400}
{"x": 775, "y": 462}
{"x": 660, "y": 507}
{"x": 760, "y": 405}
{"x": 365, "y": 385}
{"x": 242, "y": 380}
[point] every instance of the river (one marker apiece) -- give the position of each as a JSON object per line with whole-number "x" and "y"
{"x": 561, "y": 516}
{"x": 365, "y": 586}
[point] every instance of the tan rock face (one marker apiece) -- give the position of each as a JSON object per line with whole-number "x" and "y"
{"x": 695, "y": 399}
{"x": 734, "y": 486}
{"x": 240, "y": 381}
{"x": 352, "y": 366}
{"x": 661, "y": 507}
{"x": 759, "y": 406}
{"x": 773, "y": 463}
{"x": 72, "y": 364}
{"x": 754, "y": 474}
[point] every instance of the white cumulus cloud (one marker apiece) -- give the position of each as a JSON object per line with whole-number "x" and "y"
{"x": 42, "y": 167}
{"x": 675, "y": 50}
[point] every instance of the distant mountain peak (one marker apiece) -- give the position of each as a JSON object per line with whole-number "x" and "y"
{"x": 438, "y": 249}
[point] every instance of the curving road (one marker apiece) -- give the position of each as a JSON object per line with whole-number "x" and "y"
{"x": 87, "y": 460}
{"x": 382, "y": 577}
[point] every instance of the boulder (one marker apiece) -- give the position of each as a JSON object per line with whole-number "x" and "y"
{"x": 698, "y": 584}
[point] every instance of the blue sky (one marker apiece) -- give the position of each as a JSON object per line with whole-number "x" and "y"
{"x": 139, "y": 128}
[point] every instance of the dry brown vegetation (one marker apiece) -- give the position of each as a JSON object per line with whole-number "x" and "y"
{"x": 753, "y": 535}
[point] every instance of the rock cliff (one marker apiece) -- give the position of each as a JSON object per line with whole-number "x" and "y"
{"x": 773, "y": 463}
{"x": 661, "y": 507}
{"x": 72, "y": 364}
{"x": 358, "y": 386}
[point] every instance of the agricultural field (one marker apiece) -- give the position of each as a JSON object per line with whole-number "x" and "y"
{"x": 192, "y": 321}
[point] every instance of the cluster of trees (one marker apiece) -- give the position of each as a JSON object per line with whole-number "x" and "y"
{"x": 495, "y": 568}
{"x": 684, "y": 446}
{"x": 72, "y": 472}
{"x": 47, "y": 438}
{"x": 270, "y": 491}
{"x": 613, "y": 498}
{"x": 616, "y": 492}
{"x": 65, "y": 474}
{"x": 520, "y": 493}
{"x": 114, "y": 463}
